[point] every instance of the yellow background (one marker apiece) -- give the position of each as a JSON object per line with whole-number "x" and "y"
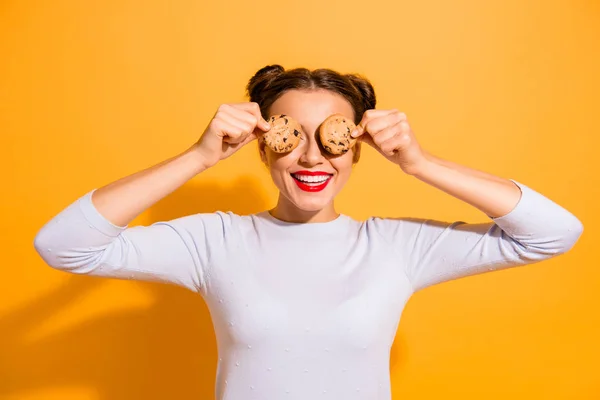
{"x": 92, "y": 91}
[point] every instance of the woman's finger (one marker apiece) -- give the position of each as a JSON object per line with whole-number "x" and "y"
{"x": 368, "y": 117}
{"x": 383, "y": 122}
{"x": 230, "y": 129}
{"x": 254, "y": 109}
{"x": 385, "y": 134}
{"x": 398, "y": 141}
{"x": 242, "y": 119}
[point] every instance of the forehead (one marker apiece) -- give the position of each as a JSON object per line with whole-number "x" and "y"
{"x": 311, "y": 107}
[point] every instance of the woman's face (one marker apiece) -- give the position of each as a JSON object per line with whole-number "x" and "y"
{"x": 308, "y": 177}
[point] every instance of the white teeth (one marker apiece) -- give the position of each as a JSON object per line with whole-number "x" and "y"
{"x": 311, "y": 179}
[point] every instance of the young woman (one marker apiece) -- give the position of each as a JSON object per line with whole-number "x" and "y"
{"x": 305, "y": 301}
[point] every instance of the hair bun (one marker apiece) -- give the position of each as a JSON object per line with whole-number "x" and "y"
{"x": 274, "y": 69}
{"x": 262, "y": 79}
{"x": 366, "y": 90}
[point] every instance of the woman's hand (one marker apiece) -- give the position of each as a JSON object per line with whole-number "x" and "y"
{"x": 232, "y": 127}
{"x": 389, "y": 133}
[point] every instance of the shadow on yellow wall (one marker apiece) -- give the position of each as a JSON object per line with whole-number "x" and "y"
{"x": 148, "y": 353}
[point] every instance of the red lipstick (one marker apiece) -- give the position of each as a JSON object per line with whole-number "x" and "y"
{"x": 315, "y": 186}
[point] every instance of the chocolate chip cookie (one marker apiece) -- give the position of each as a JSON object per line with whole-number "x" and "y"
{"x": 334, "y": 134}
{"x": 284, "y": 135}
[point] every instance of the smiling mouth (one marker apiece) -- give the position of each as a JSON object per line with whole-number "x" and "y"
{"x": 312, "y": 182}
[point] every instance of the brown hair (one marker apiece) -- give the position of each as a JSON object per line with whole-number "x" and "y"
{"x": 270, "y": 82}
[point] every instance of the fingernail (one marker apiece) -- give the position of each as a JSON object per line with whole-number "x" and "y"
{"x": 266, "y": 125}
{"x": 354, "y": 133}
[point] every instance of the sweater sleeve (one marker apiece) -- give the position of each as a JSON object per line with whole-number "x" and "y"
{"x": 81, "y": 241}
{"x": 432, "y": 251}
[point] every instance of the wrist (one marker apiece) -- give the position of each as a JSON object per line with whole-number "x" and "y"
{"x": 198, "y": 159}
{"x": 420, "y": 167}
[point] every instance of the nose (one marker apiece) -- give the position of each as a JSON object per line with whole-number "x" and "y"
{"x": 312, "y": 153}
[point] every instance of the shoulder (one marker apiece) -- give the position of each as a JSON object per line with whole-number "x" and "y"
{"x": 216, "y": 224}
{"x": 390, "y": 222}
{"x": 390, "y": 228}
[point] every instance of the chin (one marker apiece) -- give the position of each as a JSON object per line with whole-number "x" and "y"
{"x": 307, "y": 201}
{"x": 315, "y": 201}
{"x": 311, "y": 205}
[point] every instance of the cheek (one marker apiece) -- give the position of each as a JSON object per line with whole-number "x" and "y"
{"x": 343, "y": 165}
{"x": 279, "y": 163}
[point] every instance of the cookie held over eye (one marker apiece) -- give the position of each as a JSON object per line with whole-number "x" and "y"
{"x": 284, "y": 135}
{"x": 334, "y": 134}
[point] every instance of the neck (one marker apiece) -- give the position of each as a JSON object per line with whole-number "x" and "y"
{"x": 285, "y": 210}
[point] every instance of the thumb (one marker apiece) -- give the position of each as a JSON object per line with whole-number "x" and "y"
{"x": 368, "y": 139}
